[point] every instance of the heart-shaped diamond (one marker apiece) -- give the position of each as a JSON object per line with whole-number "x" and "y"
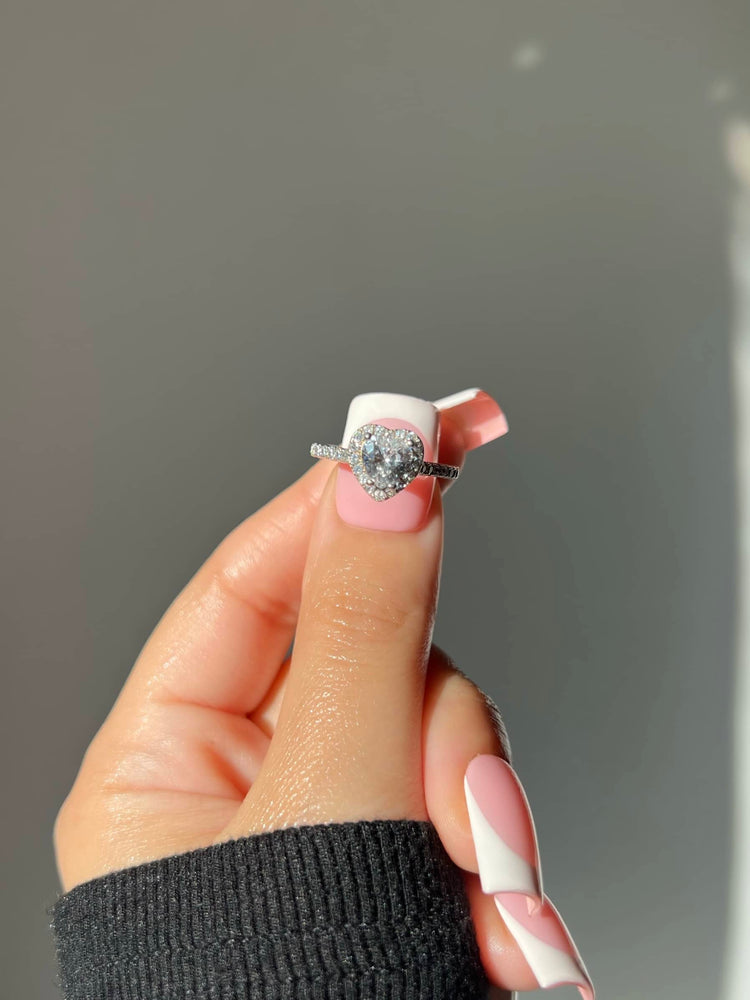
{"x": 385, "y": 461}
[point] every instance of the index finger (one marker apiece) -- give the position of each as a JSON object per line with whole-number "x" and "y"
{"x": 221, "y": 641}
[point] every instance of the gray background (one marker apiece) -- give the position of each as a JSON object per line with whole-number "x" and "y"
{"x": 220, "y": 220}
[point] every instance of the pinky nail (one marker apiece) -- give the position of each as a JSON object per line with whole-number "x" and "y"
{"x": 503, "y": 830}
{"x": 546, "y": 944}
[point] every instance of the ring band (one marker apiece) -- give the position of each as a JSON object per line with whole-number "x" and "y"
{"x": 384, "y": 460}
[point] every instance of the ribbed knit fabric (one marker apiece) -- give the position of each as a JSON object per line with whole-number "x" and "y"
{"x": 372, "y": 910}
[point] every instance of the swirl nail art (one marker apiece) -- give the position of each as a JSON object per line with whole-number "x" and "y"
{"x": 505, "y": 841}
{"x": 546, "y": 944}
{"x": 503, "y": 830}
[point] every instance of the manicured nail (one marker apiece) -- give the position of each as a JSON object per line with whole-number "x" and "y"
{"x": 546, "y": 944}
{"x": 407, "y": 510}
{"x": 475, "y": 414}
{"x": 502, "y": 829}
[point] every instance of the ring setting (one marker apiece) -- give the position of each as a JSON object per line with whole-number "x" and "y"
{"x": 384, "y": 460}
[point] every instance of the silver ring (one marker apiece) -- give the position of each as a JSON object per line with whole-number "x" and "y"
{"x": 384, "y": 461}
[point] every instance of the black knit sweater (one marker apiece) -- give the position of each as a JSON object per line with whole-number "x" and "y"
{"x": 372, "y": 910}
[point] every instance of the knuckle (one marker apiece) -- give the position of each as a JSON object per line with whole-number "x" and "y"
{"x": 498, "y": 724}
{"x": 258, "y": 601}
{"x": 83, "y": 803}
{"x": 487, "y": 706}
{"x": 353, "y": 608}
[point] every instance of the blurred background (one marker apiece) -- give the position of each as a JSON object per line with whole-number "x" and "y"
{"x": 209, "y": 210}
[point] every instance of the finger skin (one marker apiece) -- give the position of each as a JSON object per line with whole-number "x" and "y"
{"x": 348, "y": 741}
{"x": 221, "y": 641}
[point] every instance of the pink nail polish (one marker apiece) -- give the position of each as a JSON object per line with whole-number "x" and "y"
{"x": 546, "y": 944}
{"x": 502, "y": 829}
{"x": 407, "y": 511}
{"x": 476, "y": 415}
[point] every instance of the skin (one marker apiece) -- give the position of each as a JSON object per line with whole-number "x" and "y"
{"x": 217, "y": 734}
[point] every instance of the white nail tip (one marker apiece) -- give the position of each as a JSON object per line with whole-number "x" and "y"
{"x": 464, "y": 396}
{"x": 550, "y": 966}
{"x": 500, "y": 868}
{"x": 369, "y": 407}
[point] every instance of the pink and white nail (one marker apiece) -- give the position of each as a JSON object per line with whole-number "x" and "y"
{"x": 408, "y": 509}
{"x": 475, "y": 414}
{"x": 546, "y": 944}
{"x": 503, "y": 830}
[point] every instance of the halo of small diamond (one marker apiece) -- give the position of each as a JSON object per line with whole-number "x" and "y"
{"x": 405, "y": 443}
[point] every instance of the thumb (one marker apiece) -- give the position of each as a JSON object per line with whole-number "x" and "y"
{"x": 348, "y": 739}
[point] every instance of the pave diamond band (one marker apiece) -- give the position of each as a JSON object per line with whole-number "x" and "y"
{"x": 439, "y": 470}
{"x": 338, "y": 452}
{"x": 384, "y": 460}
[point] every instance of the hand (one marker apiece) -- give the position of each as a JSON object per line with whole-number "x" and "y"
{"x": 217, "y": 734}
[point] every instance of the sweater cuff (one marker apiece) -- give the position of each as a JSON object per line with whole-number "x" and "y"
{"x": 368, "y": 909}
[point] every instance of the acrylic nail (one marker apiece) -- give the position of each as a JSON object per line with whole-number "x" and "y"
{"x": 476, "y": 416}
{"x": 546, "y": 944}
{"x": 502, "y": 828}
{"x": 407, "y": 511}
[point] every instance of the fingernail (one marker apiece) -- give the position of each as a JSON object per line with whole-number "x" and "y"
{"x": 546, "y": 944}
{"x": 503, "y": 830}
{"x": 475, "y": 414}
{"x": 407, "y": 511}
